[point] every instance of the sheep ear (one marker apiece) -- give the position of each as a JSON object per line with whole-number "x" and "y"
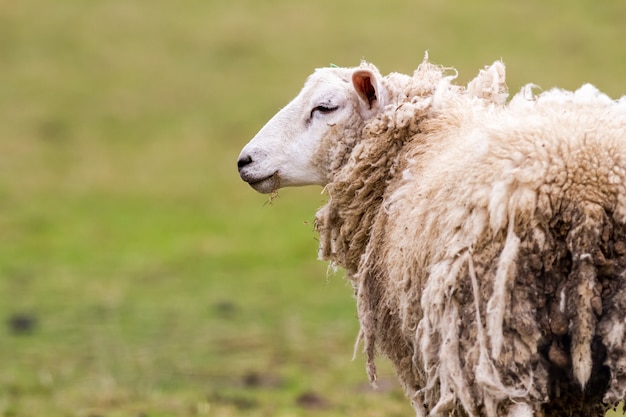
{"x": 366, "y": 86}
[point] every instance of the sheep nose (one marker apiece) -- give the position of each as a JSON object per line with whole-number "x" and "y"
{"x": 243, "y": 161}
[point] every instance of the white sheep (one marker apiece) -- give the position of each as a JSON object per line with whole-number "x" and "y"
{"x": 485, "y": 240}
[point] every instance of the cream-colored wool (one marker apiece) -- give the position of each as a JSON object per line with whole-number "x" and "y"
{"x": 461, "y": 219}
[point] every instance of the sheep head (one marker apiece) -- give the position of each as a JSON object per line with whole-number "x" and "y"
{"x": 299, "y": 145}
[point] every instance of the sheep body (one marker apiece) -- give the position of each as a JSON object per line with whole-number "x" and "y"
{"x": 488, "y": 235}
{"x": 485, "y": 240}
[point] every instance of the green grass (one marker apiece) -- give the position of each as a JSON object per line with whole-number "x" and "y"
{"x": 159, "y": 283}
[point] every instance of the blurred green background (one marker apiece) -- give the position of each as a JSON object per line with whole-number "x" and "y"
{"x": 138, "y": 275}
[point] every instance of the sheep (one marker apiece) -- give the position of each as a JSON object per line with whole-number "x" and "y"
{"x": 485, "y": 239}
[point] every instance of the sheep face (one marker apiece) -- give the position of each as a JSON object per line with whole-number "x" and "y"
{"x": 296, "y": 146}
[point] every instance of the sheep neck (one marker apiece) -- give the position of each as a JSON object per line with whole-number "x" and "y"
{"x": 356, "y": 193}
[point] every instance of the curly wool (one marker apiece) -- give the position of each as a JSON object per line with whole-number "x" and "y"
{"x": 369, "y": 159}
{"x": 486, "y": 244}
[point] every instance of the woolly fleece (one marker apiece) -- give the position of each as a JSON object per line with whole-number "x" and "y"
{"x": 486, "y": 243}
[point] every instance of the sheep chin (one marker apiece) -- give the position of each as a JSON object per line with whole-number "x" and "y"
{"x": 266, "y": 185}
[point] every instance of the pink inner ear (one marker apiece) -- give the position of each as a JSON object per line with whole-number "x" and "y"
{"x": 362, "y": 81}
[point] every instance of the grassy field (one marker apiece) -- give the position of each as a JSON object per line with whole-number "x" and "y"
{"x": 138, "y": 275}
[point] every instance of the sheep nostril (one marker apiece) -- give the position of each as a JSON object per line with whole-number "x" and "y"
{"x": 243, "y": 161}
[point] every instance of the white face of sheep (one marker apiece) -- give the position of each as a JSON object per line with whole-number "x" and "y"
{"x": 287, "y": 150}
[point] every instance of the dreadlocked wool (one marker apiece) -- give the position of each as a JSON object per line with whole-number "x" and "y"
{"x": 486, "y": 244}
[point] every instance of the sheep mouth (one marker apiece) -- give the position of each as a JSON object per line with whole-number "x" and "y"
{"x": 266, "y": 185}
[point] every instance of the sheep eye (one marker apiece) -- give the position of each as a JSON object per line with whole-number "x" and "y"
{"x": 323, "y": 109}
